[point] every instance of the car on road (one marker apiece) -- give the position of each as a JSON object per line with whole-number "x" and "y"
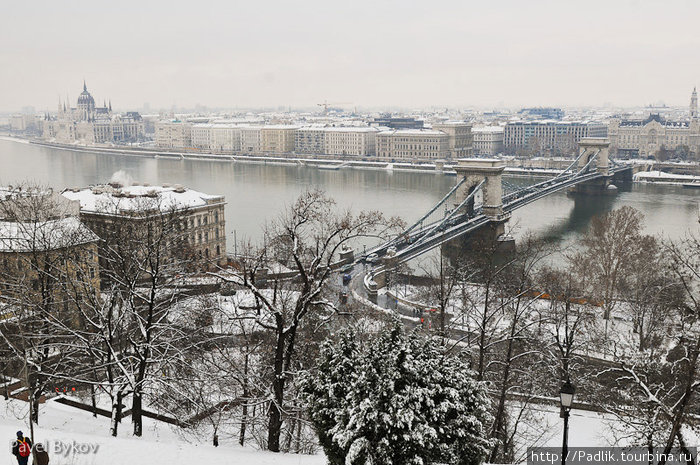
{"x": 347, "y": 268}
{"x": 372, "y": 258}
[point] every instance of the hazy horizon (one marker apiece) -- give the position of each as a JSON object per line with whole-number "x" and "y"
{"x": 361, "y": 54}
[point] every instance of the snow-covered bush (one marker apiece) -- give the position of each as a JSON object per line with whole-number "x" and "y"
{"x": 399, "y": 399}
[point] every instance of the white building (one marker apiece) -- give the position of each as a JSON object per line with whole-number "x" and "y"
{"x": 544, "y": 136}
{"x": 201, "y": 136}
{"x": 359, "y": 141}
{"x": 225, "y": 138}
{"x": 201, "y": 216}
{"x": 310, "y": 140}
{"x": 251, "y": 141}
{"x": 488, "y": 140}
{"x": 413, "y": 144}
{"x": 173, "y": 134}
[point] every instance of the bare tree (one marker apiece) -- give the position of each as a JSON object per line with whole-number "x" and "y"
{"x": 609, "y": 252}
{"x": 146, "y": 258}
{"x": 42, "y": 246}
{"x": 305, "y": 239}
{"x": 568, "y": 316}
{"x": 513, "y": 367}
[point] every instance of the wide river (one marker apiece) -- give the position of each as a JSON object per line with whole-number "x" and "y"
{"x": 256, "y": 192}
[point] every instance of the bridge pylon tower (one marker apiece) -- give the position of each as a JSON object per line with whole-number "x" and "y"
{"x": 475, "y": 170}
{"x": 598, "y": 148}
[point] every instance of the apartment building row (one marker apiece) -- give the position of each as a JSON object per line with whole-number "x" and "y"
{"x": 445, "y": 140}
{"x": 224, "y": 138}
{"x": 548, "y": 136}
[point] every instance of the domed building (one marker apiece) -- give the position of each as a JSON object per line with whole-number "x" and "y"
{"x": 89, "y": 124}
{"x": 86, "y": 104}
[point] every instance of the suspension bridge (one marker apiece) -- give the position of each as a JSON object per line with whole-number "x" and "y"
{"x": 592, "y": 171}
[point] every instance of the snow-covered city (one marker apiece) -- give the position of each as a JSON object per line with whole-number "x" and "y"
{"x": 365, "y": 233}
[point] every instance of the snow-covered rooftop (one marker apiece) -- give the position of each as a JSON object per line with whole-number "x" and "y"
{"x": 116, "y": 199}
{"x": 339, "y": 128}
{"x": 414, "y": 132}
{"x": 487, "y": 129}
{"x": 45, "y": 235}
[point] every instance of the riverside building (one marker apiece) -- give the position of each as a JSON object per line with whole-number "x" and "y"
{"x": 488, "y": 140}
{"x": 413, "y": 144}
{"x": 89, "y": 124}
{"x": 198, "y": 217}
{"x": 342, "y": 141}
{"x": 549, "y": 136}
{"x": 635, "y": 138}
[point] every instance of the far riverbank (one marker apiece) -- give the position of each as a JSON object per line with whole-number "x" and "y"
{"x": 538, "y": 167}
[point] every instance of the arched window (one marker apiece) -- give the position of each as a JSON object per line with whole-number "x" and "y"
{"x": 652, "y": 137}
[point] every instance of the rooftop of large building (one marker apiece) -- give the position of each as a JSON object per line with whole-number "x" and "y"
{"x": 54, "y": 234}
{"x": 34, "y": 203}
{"x": 546, "y": 122}
{"x": 339, "y": 128}
{"x": 116, "y": 198}
{"x": 452, "y": 123}
{"x": 487, "y": 129}
{"x": 654, "y": 117}
{"x": 413, "y": 132}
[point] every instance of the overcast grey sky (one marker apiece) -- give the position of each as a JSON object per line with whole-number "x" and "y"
{"x": 367, "y": 53}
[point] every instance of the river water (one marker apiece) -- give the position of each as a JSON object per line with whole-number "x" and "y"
{"x": 256, "y": 192}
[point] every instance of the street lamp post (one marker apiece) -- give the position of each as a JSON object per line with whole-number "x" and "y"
{"x": 566, "y": 397}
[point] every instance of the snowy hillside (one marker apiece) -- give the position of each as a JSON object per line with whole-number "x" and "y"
{"x": 161, "y": 445}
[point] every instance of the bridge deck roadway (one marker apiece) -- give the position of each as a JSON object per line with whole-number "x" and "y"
{"x": 407, "y": 250}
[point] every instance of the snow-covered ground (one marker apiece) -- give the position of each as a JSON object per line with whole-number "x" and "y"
{"x": 160, "y": 444}
{"x": 604, "y": 337}
{"x": 663, "y": 177}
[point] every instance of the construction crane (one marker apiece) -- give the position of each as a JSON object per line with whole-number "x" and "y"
{"x": 325, "y": 105}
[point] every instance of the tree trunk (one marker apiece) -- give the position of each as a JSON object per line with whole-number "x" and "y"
{"x": 482, "y": 336}
{"x": 35, "y": 408}
{"x": 244, "y": 413}
{"x": 116, "y": 414}
{"x": 298, "y": 440}
{"x": 244, "y": 424}
{"x": 499, "y": 426}
{"x": 290, "y": 434}
{"x": 136, "y": 412}
{"x": 274, "y": 427}
{"x": 93, "y": 400}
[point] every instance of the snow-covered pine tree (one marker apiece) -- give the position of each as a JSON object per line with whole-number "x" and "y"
{"x": 399, "y": 400}
{"x": 327, "y": 391}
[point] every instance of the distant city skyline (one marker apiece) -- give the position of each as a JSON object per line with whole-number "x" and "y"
{"x": 362, "y": 54}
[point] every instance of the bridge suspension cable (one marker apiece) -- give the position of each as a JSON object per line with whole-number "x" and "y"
{"x": 448, "y": 217}
{"x": 585, "y": 168}
{"x": 528, "y": 189}
{"x": 432, "y": 210}
{"x": 573, "y": 163}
